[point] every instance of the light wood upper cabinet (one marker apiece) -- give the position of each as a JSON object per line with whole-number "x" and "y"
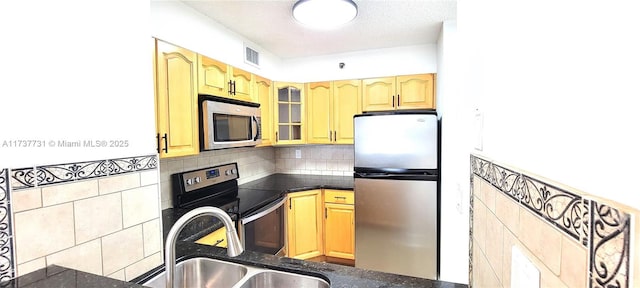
{"x": 378, "y": 94}
{"x": 415, "y": 91}
{"x": 288, "y": 108}
{"x": 319, "y": 97}
{"x": 219, "y": 79}
{"x": 347, "y": 102}
{"x": 304, "y": 224}
{"x": 401, "y": 92}
{"x": 213, "y": 77}
{"x": 242, "y": 84}
{"x": 263, "y": 92}
{"x": 176, "y": 100}
{"x": 331, "y": 106}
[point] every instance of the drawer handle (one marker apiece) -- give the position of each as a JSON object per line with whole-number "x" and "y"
{"x": 340, "y": 197}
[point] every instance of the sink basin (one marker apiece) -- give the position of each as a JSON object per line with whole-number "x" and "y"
{"x": 271, "y": 278}
{"x": 212, "y": 273}
{"x": 202, "y": 272}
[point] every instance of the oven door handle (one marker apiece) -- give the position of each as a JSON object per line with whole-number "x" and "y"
{"x": 264, "y": 212}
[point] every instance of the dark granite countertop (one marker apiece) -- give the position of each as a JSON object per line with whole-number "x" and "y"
{"x": 55, "y": 276}
{"x": 338, "y": 276}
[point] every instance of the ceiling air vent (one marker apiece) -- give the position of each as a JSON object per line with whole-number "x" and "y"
{"x": 251, "y": 56}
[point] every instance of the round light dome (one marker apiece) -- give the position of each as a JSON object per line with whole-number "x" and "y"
{"x": 324, "y": 14}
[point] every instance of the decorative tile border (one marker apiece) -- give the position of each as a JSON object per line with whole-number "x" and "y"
{"x": 559, "y": 207}
{"x": 604, "y": 230}
{"x": 23, "y": 178}
{"x": 610, "y": 237}
{"x": 55, "y": 174}
{"x": 7, "y": 267}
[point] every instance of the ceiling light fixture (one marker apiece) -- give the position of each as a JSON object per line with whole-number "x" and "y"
{"x": 324, "y": 14}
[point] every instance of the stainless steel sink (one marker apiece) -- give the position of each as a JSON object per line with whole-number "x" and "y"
{"x": 273, "y": 278}
{"x": 202, "y": 272}
{"x": 211, "y": 273}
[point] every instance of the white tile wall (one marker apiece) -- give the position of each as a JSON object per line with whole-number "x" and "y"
{"x": 108, "y": 226}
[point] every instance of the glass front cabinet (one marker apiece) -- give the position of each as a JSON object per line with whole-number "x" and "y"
{"x": 290, "y": 112}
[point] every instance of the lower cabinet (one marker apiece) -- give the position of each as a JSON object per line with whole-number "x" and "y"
{"x": 339, "y": 224}
{"x": 216, "y": 238}
{"x": 339, "y": 231}
{"x": 321, "y": 228}
{"x": 304, "y": 224}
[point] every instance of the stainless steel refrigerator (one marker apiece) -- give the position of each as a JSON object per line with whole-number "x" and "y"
{"x": 396, "y": 192}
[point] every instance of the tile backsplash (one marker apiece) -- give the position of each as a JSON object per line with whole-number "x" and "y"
{"x": 255, "y": 163}
{"x": 100, "y": 217}
{"x": 336, "y": 160}
{"x": 572, "y": 238}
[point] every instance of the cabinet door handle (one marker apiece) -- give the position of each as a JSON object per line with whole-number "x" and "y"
{"x": 158, "y": 142}
{"x": 234, "y": 87}
{"x": 166, "y": 146}
{"x": 398, "y": 100}
{"x": 230, "y": 91}
{"x": 276, "y": 136}
{"x": 335, "y": 136}
{"x": 393, "y": 101}
{"x": 289, "y": 204}
{"x": 326, "y": 215}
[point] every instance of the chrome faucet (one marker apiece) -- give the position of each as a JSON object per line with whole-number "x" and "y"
{"x": 234, "y": 247}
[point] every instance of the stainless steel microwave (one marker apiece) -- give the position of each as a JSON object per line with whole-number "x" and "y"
{"x": 228, "y": 123}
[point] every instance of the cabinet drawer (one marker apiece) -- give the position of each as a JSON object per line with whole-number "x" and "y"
{"x": 216, "y": 238}
{"x": 338, "y": 196}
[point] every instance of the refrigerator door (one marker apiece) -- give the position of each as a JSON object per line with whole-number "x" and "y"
{"x": 396, "y": 226}
{"x": 407, "y": 141}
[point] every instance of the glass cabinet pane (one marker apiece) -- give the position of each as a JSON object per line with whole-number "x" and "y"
{"x": 283, "y": 113}
{"x": 283, "y": 94}
{"x": 296, "y": 132}
{"x": 296, "y": 115}
{"x": 283, "y": 132}
{"x": 295, "y": 94}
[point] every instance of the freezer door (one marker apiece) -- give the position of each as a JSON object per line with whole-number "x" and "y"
{"x": 396, "y": 226}
{"x": 408, "y": 141}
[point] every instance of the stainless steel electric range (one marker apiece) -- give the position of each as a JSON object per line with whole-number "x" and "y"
{"x": 259, "y": 216}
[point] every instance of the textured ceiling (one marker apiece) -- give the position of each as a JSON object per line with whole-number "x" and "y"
{"x": 379, "y": 24}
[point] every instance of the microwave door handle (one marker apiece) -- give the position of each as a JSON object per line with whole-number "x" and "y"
{"x": 255, "y": 120}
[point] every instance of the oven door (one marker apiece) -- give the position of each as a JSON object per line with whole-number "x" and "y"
{"x": 263, "y": 231}
{"x": 229, "y": 125}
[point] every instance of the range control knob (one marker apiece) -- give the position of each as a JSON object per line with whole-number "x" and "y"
{"x": 197, "y": 179}
{"x": 189, "y": 181}
{"x": 227, "y": 172}
{"x": 234, "y": 171}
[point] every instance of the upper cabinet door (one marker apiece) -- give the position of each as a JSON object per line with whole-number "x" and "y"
{"x": 378, "y": 94}
{"x": 212, "y": 77}
{"x": 176, "y": 99}
{"x": 289, "y": 110}
{"x": 319, "y": 113}
{"x": 242, "y": 84}
{"x": 347, "y": 102}
{"x": 401, "y": 92}
{"x": 262, "y": 91}
{"x": 415, "y": 91}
